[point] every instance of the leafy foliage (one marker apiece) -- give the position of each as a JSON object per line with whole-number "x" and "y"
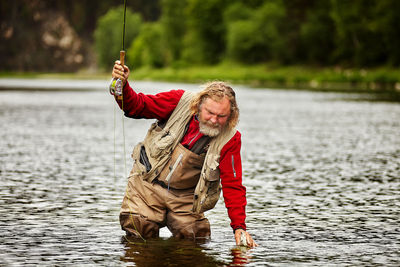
{"x": 204, "y": 42}
{"x": 108, "y": 34}
{"x": 357, "y": 33}
{"x": 147, "y": 49}
{"x": 173, "y": 27}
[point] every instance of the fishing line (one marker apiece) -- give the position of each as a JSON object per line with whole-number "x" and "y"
{"x": 116, "y": 88}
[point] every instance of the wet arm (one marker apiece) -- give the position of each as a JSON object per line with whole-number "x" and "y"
{"x": 231, "y": 179}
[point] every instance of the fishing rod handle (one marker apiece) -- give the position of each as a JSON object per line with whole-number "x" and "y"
{"x": 122, "y": 57}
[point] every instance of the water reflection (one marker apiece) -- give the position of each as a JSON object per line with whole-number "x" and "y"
{"x": 177, "y": 252}
{"x": 240, "y": 256}
{"x": 166, "y": 252}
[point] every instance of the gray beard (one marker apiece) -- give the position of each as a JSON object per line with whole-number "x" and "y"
{"x": 208, "y": 130}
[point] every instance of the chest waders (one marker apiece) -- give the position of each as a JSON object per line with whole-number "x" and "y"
{"x": 170, "y": 185}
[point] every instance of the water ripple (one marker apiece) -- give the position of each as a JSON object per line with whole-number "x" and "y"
{"x": 322, "y": 178}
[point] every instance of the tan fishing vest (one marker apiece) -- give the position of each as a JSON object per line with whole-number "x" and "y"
{"x": 160, "y": 143}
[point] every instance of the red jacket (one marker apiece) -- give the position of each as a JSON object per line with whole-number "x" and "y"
{"x": 160, "y": 107}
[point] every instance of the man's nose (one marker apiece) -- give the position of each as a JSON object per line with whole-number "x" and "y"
{"x": 213, "y": 119}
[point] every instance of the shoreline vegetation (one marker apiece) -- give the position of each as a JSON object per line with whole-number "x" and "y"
{"x": 330, "y": 79}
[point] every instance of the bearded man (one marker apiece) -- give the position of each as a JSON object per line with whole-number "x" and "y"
{"x": 189, "y": 154}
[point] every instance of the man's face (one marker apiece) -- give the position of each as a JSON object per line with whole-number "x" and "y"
{"x": 214, "y": 115}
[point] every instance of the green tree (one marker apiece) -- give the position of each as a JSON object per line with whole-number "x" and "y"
{"x": 259, "y": 37}
{"x": 317, "y": 40}
{"x": 386, "y": 14}
{"x": 147, "y": 49}
{"x": 237, "y": 11}
{"x": 108, "y": 34}
{"x": 358, "y": 39}
{"x": 242, "y": 42}
{"x": 173, "y": 23}
{"x": 204, "y": 42}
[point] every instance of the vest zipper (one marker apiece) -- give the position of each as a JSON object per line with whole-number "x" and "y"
{"x": 173, "y": 169}
{"x": 193, "y": 139}
{"x": 233, "y": 167}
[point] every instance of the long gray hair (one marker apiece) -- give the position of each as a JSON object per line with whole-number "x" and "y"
{"x": 217, "y": 91}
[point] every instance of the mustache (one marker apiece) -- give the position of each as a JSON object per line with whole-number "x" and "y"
{"x": 210, "y": 124}
{"x": 214, "y": 125}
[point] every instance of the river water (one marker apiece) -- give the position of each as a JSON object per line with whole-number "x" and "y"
{"x": 322, "y": 172}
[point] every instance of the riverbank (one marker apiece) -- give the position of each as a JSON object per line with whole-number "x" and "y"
{"x": 377, "y": 80}
{"x": 293, "y": 77}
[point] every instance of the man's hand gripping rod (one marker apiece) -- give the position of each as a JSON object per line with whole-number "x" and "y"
{"x": 116, "y": 85}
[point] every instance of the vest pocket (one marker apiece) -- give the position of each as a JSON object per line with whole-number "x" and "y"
{"x": 182, "y": 171}
{"x": 144, "y": 159}
{"x": 212, "y": 172}
{"x": 212, "y": 197}
{"x": 138, "y": 167}
{"x": 162, "y": 141}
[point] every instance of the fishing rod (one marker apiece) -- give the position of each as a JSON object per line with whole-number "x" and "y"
{"x": 116, "y": 85}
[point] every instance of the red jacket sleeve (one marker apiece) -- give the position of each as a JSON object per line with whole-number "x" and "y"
{"x": 234, "y": 192}
{"x": 139, "y": 105}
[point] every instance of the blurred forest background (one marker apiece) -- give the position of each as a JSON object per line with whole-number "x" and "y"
{"x": 66, "y": 36}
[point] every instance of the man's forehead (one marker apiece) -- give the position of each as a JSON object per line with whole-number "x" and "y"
{"x": 216, "y": 98}
{"x": 220, "y": 105}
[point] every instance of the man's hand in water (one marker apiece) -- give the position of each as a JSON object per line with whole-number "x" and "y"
{"x": 249, "y": 240}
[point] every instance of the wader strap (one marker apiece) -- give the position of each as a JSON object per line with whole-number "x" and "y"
{"x": 201, "y": 145}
